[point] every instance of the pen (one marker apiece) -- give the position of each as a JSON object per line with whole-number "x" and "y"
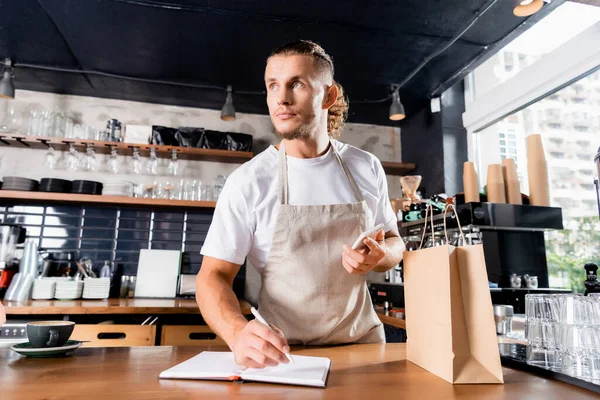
{"x": 262, "y": 320}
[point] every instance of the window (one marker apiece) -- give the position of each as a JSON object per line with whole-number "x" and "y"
{"x": 570, "y": 149}
{"x": 563, "y": 24}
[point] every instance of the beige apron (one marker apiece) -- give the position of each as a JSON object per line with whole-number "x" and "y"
{"x": 306, "y": 292}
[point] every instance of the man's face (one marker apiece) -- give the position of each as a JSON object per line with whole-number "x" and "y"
{"x": 295, "y": 92}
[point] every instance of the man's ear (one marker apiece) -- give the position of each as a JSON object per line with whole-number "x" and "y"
{"x": 331, "y": 95}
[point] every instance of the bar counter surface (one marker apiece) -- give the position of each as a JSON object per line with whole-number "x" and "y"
{"x": 367, "y": 371}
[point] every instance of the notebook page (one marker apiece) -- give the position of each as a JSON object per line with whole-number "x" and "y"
{"x": 206, "y": 365}
{"x": 307, "y": 371}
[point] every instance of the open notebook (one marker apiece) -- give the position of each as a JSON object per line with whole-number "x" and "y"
{"x": 211, "y": 365}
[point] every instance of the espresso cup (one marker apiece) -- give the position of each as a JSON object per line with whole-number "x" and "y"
{"x": 49, "y": 333}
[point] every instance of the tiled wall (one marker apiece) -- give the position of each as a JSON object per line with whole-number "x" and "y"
{"x": 114, "y": 233}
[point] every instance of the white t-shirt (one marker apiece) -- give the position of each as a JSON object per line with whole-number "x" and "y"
{"x": 248, "y": 206}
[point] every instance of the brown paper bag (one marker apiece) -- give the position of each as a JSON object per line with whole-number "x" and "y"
{"x": 449, "y": 316}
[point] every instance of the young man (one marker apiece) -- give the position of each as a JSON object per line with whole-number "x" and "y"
{"x": 293, "y": 211}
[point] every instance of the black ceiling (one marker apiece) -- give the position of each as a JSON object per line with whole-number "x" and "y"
{"x": 374, "y": 43}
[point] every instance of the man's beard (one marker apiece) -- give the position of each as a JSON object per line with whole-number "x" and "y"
{"x": 304, "y": 131}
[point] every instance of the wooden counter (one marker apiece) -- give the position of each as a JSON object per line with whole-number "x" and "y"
{"x": 358, "y": 372}
{"x": 109, "y": 306}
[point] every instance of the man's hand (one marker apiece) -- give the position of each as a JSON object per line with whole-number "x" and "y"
{"x": 2, "y": 315}
{"x": 362, "y": 261}
{"x": 256, "y": 346}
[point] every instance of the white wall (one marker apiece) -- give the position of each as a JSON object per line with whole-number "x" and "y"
{"x": 382, "y": 141}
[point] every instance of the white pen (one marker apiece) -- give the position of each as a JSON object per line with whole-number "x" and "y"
{"x": 260, "y": 319}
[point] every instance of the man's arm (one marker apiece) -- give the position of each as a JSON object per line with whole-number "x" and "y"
{"x": 218, "y": 304}
{"x": 394, "y": 250}
{"x": 253, "y": 344}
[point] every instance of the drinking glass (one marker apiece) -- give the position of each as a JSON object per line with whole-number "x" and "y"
{"x": 173, "y": 167}
{"x": 580, "y": 346}
{"x": 50, "y": 159}
{"x": 542, "y": 330}
{"x": 152, "y": 164}
{"x": 11, "y": 120}
{"x": 36, "y": 117}
{"x": 112, "y": 164}
{"x": 218, "y": 186}
{"x": 58, "y": 123}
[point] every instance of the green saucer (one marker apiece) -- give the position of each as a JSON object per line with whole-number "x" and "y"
{"x": 45, "y": 352}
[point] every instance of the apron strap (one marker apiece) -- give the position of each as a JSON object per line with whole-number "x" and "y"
{"x": 283, "y": 175}
{"x": 341, "y": 161}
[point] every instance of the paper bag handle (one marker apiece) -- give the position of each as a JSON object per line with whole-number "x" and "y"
{"x": 451, "y": 206}
{"x": 429, "y": 206}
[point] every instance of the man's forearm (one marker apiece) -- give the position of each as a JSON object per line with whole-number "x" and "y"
{"x": 219, "y": 306}
{"x": 395, "y": 247}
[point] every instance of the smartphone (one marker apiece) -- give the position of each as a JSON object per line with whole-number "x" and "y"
{"x": 359, "y": 242}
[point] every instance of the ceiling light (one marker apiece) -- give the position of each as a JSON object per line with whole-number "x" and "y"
{"x": 228, "y": 110}
{"x": 396, "y": 109}
{"x": 7, "y": 87}
{"x": 525, "y": 8}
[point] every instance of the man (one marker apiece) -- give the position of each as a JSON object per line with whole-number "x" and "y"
{"x": 293, "y": 211}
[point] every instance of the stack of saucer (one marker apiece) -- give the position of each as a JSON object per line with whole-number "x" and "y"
{"x": 86, "y": 187}
{"x": 118, "y": 188}
{"x": 96, "y": 288}
{"x": 55, "y": 185}
{"x": 68, "y": 290}
{"x": 43, "y": 289}
{"x": 22, "y": 184}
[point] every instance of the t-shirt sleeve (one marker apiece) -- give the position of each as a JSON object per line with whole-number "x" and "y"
{"x": 385, "y": 213}
{"x": 231, "y": 231}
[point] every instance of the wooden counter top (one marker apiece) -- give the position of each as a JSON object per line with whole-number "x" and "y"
{"x": 108, "y": 306}
{"x": 358, "y": 372}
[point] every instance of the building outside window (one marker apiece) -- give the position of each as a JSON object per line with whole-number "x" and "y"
{"x": 568, "y": 118}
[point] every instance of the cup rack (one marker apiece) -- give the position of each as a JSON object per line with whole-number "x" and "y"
{"x": 62, "y": 144}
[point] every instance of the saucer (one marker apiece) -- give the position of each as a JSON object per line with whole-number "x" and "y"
{"x": 42, "y": 352}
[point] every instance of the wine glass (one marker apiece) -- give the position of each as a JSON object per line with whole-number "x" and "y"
{"x": 112, "y": 164}
{"x": 152, "y": 165}
{"x": 173, "y": 168}
{"x": 91, "y": 163}
{"x": 72, "y": 158}
{"x": 136, "y": 162}
{"x": 50, "y": 158}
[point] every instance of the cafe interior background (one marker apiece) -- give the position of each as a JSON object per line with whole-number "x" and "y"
{"x": 471, "y": 81}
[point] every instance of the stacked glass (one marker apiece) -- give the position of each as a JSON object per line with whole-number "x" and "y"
{"x": 563, "y": 334}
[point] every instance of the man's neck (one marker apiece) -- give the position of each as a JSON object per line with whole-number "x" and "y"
{"x": 307, "y": 147}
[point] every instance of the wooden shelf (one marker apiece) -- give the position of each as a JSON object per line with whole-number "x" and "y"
{"x": 185, "y": 153}
{"x": 394, "y": 168}
{"x": 65, "y": 198}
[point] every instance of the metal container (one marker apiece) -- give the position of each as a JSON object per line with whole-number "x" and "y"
{"x": 503, "y": 316}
